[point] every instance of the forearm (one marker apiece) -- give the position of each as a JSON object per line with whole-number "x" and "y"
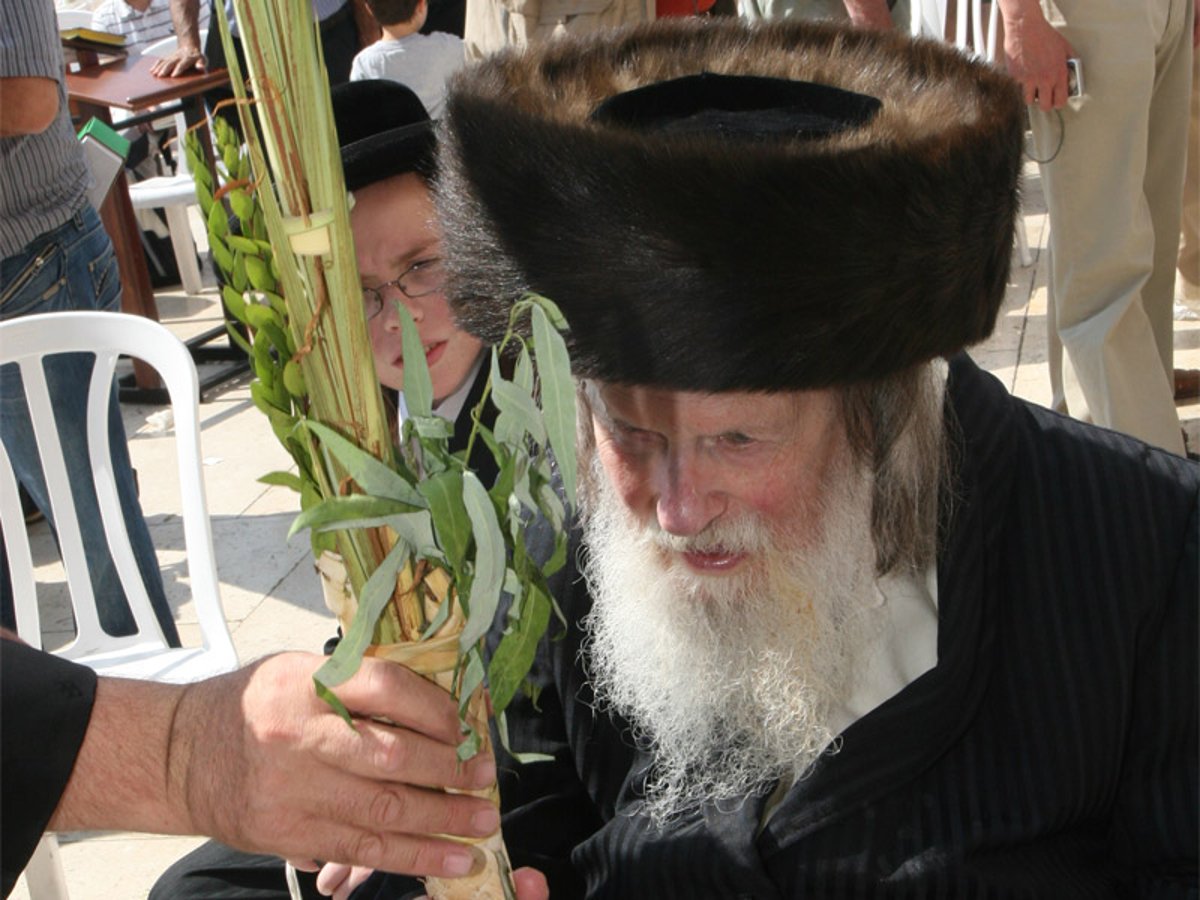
{"x": 122, "y": 775}
{"x": 185, "y": 15}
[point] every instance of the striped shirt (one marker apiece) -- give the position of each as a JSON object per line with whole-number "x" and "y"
{"x": 43, "y": 177}
{"x": 140, "y": 28}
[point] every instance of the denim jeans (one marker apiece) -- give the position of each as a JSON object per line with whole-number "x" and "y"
{"x": 73, "y": 268}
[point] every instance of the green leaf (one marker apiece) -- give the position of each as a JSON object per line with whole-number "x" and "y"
{"x": 417, "y": 529}
{"x": 472, "y": 677}
{"x": 550, "y": 308}
{"x": 259, "y": 273}
{"x": 237, "y": 242}
{"x": 283, "y": 479}
{"x": 235, "y": 335}
{"x": 432, "y": 427}
{"x": 374, "y": 477}
{"x": 234, "y": 302}
{"x": 240, "y": 203}
{"x": 518, "y": 414}
{"x": 376, "y": 593}
{"x": 418, "y": 388}
{"x": 217, "y": 223}
{"x": 338, "y": 510}
{"x": 221, "y": 254}
{"x": 293, "y": 378}
{"x": 489, "y": 561}
{"x": 558, "y": 395}
{"x": 517, "y": 648}
{"x": 444, "y": 492}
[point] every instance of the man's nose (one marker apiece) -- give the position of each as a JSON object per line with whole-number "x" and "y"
{"x": 688, "y": 499}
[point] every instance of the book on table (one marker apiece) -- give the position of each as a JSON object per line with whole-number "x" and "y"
{"x": 84, "y": 47}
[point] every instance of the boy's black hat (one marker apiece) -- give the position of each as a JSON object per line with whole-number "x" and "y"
{"x": 717, "y": 206}
{"x": 383, "y": 130}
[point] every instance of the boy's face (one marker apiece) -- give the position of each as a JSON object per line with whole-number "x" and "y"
{"x": 394, "y": 228}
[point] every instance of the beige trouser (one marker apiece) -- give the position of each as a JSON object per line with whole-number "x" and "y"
{"x": 492, "y": 25}
{"x": 1113, "y": 191}
{"x": 1189, "y": 245}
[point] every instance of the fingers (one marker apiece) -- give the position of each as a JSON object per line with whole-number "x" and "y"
{"x": 399, "y": 809}
{"x": 381, "y": 752}
{"x": 398, "y": 695}
{"x": 531, "y": 884}
{"x": 178, "y": 63}
{"x": 338, "y": 880}
{"x": 403, "y": 854}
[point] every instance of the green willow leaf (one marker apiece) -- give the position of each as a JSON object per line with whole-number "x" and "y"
{"x": 444, "y": 492}
{"x": 517, "y": 411}
{"x": 517, "y": 648}
{"x": 283, "y": 479}
{"x": 374, "y": 477}
{"x": 418, "y": 388}
{"x": 558, "y": 395}
{"x": 489, "y": 561}
{"x": 355, "y": 507}
{"x": 346, "y": 659}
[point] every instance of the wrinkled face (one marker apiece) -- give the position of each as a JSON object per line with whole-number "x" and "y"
{"x": 695, "y": 463}
{"x": 731, "y": 566}
{"x": 394, "y": 227}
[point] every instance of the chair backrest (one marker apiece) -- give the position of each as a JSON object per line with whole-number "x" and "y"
{"x": 26, "y": 341}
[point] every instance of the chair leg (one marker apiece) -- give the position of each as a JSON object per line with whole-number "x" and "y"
{"x": 44, "y": 874}
{"x": 1023, "y": 252}
{"x": 184, "y": 247}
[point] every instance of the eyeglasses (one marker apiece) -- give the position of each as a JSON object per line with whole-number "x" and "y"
{"x": 424, "y": 277}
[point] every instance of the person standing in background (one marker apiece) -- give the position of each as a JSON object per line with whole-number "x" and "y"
{"x": 1112, "y": 170}
{"x": 55, "y": 256}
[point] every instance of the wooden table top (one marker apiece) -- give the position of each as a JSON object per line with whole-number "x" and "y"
{"x": 128, "y": 84}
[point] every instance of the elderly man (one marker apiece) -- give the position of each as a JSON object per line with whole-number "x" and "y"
{"x": 854, "y": 621}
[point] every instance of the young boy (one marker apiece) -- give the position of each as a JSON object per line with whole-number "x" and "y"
{"x": 423, "y": 62}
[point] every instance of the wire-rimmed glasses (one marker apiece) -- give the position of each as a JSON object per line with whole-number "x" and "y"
{"x": 422, "y": 278}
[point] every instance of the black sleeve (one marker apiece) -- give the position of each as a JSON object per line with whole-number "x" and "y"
{"x": 45, "y": 705}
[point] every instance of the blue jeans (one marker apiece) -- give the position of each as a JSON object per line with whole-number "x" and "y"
{"x": 73, "y": 268}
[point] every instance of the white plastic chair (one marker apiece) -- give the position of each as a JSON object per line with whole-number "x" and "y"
{"x": 173, "y": 193}
{"x": 970, "y": 36}
{"x": 146, "y": 654}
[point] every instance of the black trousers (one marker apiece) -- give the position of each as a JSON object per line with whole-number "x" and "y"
{"x": 215, "y": 872}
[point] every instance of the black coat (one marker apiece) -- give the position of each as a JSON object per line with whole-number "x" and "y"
{"x": 46, "y": 703}
{"x": 1052, "y": 752}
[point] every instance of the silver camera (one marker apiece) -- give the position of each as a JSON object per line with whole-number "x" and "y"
{"x": 1075, "y": 78}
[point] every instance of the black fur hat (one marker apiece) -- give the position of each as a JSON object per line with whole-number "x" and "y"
{"x": 383, "y": 130}
{"x": 744, "y": 230}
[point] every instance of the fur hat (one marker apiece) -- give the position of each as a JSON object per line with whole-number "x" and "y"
{"x": 383, "y": 130}
{"x": 734, "y": 233}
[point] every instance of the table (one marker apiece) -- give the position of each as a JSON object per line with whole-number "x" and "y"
{"x": 129, "y": 85}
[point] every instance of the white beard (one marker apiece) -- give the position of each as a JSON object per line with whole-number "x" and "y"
{"x": 731, "y": 681}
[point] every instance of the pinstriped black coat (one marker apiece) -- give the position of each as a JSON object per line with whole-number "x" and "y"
{"x": 1051, "y": 753}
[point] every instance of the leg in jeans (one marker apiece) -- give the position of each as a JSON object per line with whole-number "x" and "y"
{"x": 73, "y": 268}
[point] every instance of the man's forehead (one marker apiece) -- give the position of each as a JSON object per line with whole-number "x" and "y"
{"x": 638, "y": 404}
